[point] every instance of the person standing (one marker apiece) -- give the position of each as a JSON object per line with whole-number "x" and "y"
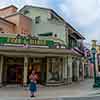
{"x": 32, "y": 86}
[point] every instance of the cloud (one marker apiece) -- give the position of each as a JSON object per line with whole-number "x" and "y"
{"x": 84, "y": 12}
{"x": 84, "y": 15}
{"x": 37, "y": 2}
{"x": 19, "y": 3}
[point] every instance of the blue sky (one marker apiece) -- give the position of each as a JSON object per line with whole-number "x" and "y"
{"x": 83, "y": 15}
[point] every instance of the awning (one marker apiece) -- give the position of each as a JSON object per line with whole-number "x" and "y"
{"x": 46, "y": 34}
{"x": 37, "y": 51}
{"x": 77, "y": 35}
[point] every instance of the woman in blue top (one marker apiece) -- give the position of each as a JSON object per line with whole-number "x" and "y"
{"x": 33, "y": 87}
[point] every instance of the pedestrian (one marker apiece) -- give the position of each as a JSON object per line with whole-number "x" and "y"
{"x": 33, "y": 86}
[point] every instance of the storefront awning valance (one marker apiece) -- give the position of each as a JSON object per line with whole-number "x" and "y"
{"x": 46, "y": 34}
{"x": 38, "y": 51}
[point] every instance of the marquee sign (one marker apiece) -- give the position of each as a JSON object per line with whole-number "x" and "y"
{"x": 25, "y": 41}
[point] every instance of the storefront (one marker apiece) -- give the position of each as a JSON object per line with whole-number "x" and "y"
{"x": 17, "y": 66}
{"x": 17, "y": 60}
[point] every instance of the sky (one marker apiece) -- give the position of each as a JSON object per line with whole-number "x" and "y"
{"x": 83, "y": 15}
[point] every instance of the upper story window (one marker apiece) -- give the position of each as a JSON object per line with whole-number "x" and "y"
{"x": 1, "y": 30}
{"x": 50, "y": 15}
{"x": 37, "y": 20}
{"x": 26, "y": 12}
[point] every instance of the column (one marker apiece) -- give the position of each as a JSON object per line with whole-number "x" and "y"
{"x": 47, "y": 70}
{"x": 69, "y": 69}
{"x": 65, "y": 67}
{"x": 1, "y": 69}
{"x": 5, "y": 73}
{"x": 25, "y": 70}
{"x": 83, "y": 72}
{"x": 77, "y": 69}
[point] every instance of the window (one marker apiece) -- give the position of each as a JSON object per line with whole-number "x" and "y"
{"x": 1, "y": 29}
{"x": 37, "y": 19}
{"x": 55, "y": 69}
{"x": 26, "y": 12}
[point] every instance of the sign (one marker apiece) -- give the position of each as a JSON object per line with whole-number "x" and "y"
{"x": 25, "y": 41}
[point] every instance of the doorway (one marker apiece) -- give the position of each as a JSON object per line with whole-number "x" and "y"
{"x": 14, "y": 74}
{"x": 11, "y": 74}
{"x": 39, "y": 65}
{"x": 37, "y": 68}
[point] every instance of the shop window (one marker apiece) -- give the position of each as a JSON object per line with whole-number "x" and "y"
{"x": 55, "y": 69}
{"x": 37, "y": 20}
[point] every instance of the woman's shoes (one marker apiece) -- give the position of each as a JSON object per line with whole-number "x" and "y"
{"x": 32, "y": 96}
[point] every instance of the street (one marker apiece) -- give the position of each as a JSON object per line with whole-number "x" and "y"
{"x": 68, "y": 92}
{"x": 81, "y": 98}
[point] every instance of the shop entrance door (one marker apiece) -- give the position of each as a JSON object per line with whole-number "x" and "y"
{"x": 11, "y": 74}
{"x": 39, "y": 65}
{"x": 14, "y": 74}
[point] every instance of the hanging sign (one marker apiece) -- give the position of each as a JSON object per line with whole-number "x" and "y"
{"x": 25, "y": 41}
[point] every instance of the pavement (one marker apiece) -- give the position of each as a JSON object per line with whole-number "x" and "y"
{"x": 76, "y": 89}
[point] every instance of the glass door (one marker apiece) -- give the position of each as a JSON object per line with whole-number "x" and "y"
{"x": 11, "y": 74}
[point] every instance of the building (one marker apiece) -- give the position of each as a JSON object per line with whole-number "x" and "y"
{"x": 47, "y": 24}
{"x": 39, "y": 39}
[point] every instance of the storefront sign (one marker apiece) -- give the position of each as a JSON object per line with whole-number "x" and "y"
{"x": 25, "y": 41}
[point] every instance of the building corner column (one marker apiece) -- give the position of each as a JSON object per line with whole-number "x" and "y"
{"x": 25, "y": 71}
{"x": 65, "y": 67}
{"x": 1, "y": 69}
{"x": 69, "y": 69}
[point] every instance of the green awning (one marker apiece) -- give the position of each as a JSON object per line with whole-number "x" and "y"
{"x": 46, "y": 34}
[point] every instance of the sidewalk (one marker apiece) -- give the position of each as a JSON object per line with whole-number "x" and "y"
{"x": 83, "y": 88}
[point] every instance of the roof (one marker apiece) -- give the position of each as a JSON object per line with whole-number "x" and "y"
{"x": 17, "y": 13}
{"x": 7, "y": 21}
{"x": 55, "y": 14}
{"x": 8, "y": 7}
{"x": 79, "y": 35}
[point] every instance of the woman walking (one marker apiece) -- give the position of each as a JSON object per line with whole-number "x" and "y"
{"x": 33, "y": 87}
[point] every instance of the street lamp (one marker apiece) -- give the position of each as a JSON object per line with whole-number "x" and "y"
{"x": 93, "y": 51}
{"x": 96, "y": 78}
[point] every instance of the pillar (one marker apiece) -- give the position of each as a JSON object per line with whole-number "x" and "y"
{"x": 77, "y": 69}
{"x": 83, "y": 72}
{"x": 65, "y": 67}
{"x": 47, "y": 70}
{"x": 1, "y": 69}
{"x": 69, "y": 69}
{"x": 25, "y": 71}
{"x": 5, "y": 73}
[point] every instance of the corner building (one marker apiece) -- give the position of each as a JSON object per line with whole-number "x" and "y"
{"x": 42, "y": 41}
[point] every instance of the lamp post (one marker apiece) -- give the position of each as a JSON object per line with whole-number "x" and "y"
{"x": 93, "y": 50}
